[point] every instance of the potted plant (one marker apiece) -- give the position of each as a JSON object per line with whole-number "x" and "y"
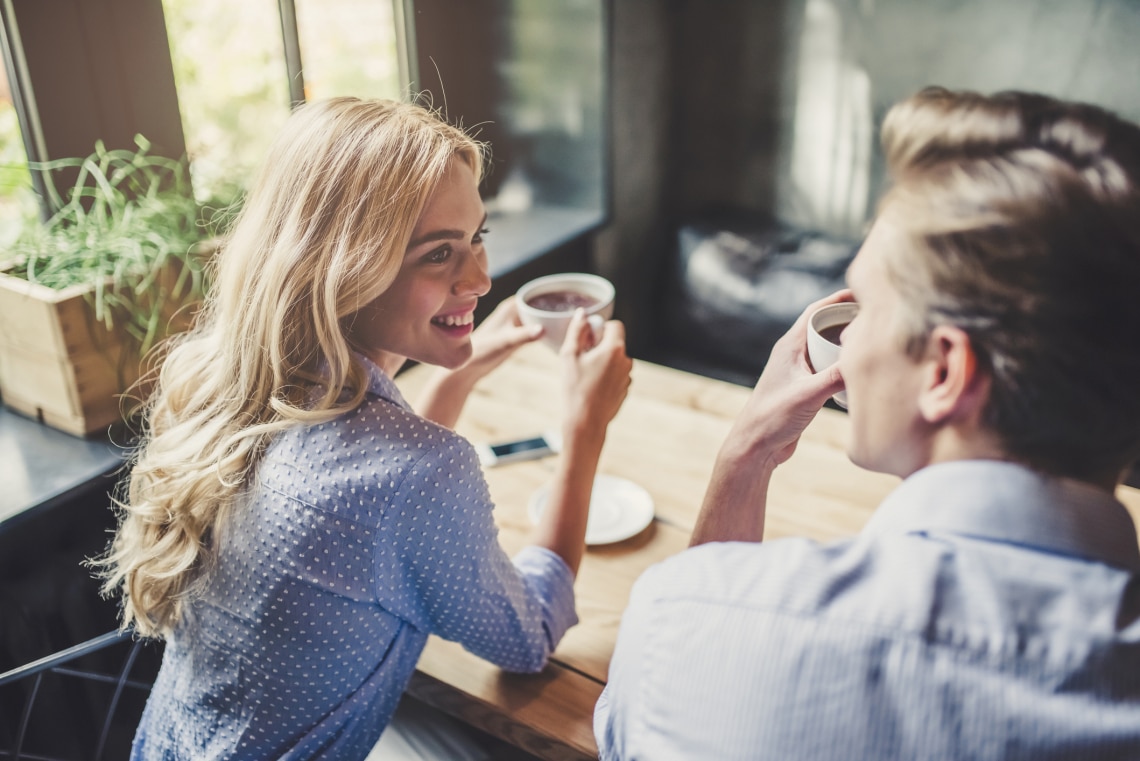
{"x": 87, "y": 294}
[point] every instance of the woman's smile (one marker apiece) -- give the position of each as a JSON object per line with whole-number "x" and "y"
{"x": 455, "y": 324}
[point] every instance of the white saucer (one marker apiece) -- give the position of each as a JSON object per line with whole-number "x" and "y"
{"x": 619, "y": 509}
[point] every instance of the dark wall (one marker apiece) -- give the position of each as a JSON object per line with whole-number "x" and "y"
{"x": 97, "y": 70}
{"x": 695, "y": 99}
{"x": 457, "y": 48}
{"x": 729, "y": 64}
{"x": 774, "y": 106}
{"x": 627, "y": 250}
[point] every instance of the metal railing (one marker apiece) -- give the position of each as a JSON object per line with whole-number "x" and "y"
{"x": 62, "y": 663}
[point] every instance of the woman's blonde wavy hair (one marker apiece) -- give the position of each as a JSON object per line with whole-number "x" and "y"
{"x": 322, "y": 233}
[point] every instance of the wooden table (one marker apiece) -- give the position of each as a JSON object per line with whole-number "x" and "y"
{"x": 664, "y": 438}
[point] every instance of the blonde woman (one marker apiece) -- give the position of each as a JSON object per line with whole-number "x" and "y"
{"x": 293, "y": 530}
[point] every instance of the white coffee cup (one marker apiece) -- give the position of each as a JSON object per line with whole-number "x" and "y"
{"x": 550, "y": 301}
{"x": 824, "y": 327}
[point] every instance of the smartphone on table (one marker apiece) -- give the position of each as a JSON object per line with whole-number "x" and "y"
{"x": 517, "y": 450}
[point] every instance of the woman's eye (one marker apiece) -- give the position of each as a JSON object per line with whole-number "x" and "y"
{"x": 439, "y": 256}
{"x": 479, "y": 235}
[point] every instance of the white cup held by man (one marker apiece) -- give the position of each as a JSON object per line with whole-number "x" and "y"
{"x": 550, "y": 301}
{"x": 824, "y": 328}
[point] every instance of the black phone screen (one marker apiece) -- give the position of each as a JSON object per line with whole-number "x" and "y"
{"x": 522, "y": 445}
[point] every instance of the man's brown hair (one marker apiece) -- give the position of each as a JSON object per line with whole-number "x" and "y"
{"x": 1022, "y": 215}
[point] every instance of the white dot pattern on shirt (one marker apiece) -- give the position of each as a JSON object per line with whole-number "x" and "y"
{"x": 364, "y": 535}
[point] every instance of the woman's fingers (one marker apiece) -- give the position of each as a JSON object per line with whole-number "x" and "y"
{"x": 578, "y": 338}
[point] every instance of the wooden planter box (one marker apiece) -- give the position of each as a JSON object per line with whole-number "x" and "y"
{"x": 59, "y": 364}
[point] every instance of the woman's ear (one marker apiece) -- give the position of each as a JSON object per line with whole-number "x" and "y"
{"x": 953, "y": 388}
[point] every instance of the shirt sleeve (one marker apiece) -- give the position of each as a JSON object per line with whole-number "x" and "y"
{"x": 441, "y": 568}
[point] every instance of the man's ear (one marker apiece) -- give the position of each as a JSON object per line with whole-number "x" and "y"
{"x": 953, "y": 388}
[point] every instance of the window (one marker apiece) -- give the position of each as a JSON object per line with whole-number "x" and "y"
{"x": 348, "y": 47}
{"x": 232, "y": 74}
{"x": 233, "y": 95}
{"x": 530, "y": 79}
{"x": 17, "y": 200}
{"x": 215, "y": 79}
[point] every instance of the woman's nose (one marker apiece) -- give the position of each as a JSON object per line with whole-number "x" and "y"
{"x": 474, "y": 279}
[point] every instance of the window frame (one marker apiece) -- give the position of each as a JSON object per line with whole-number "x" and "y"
{"x": 67, "y": 59}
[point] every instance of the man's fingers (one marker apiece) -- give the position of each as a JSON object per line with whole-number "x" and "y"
{"x": 826, "y": 383}
{"x": 844, "y": 294}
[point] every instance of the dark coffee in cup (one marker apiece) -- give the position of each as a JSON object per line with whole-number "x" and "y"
{"x": 832, "y": 332}
{"x": 561, "y": 301}
{"x": 549, "y": 302}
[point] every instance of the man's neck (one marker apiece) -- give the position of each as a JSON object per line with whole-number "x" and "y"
{"x": 964, "y": 442}
{"x": 948, "y": 445}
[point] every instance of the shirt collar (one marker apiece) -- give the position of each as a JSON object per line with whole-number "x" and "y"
{"x": 1005, "y": 502}
{"x": 379, "y": 384}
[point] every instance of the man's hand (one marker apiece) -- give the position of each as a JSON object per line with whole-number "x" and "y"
{"x": 787, "y": 396}
{"x": 786, "y": 399}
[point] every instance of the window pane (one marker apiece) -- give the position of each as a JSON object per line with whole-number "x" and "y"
{"x": 348, "y": 47}
{"x": 554, "y": 84}
{"x": 229, "y": 68}
{"x": 17, "y": 199}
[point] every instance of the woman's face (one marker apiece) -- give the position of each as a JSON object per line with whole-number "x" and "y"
{"x": 428, "y": 312}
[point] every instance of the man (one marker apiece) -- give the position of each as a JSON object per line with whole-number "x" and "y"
{"x": 991, "y": 607}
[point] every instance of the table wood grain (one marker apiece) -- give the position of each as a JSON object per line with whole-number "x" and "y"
{"x": 665, "y": 438}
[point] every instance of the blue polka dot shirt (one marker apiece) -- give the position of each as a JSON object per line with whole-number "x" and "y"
{"x": 360, "y": 537}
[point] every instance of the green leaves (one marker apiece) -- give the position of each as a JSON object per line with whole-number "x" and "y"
{"x": 130, "y": 228}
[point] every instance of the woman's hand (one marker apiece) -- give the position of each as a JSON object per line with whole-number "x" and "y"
{"x": 496, "y": 338}
{"x": 595, "y": 382}
{"x": 595, "y": 374}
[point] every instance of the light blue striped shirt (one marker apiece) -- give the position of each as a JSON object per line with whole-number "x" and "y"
{"x": 985, "y": 612}
{"x": 362, "y": 536}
